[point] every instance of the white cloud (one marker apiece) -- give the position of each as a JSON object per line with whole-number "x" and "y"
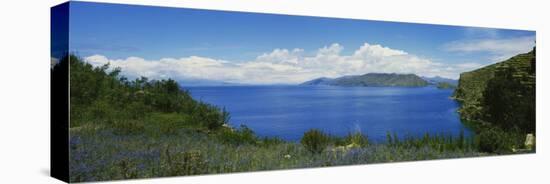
{"x": 283, "y": 66}
{"x": 500, "y": 49}
{"x": 281, "y": 56}
{"x": 478, "y": 32}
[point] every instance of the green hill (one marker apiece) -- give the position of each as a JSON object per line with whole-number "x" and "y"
{"x": 502, "y": 94}
{"x": 100, "y": 95}
{"x": 372, "y": 79}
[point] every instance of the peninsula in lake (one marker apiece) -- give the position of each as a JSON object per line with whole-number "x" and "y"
{"x": 372, "y": 80}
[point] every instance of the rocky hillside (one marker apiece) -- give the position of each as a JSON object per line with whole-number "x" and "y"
{"x": 372, "y": 79}
{"x": 501, "y": 94}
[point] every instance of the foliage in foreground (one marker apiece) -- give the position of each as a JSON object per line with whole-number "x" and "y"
{"x": 99, "y": 154}
{"x": 315, "y": 141}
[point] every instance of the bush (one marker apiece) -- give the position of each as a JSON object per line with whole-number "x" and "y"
{"x": 136, "y": 110}
{"x": 127, "y": 169}
{"x": 392, "y": 139}
{"x": 168, "y": 123}
{"x": 211, "y": 116}
{"x": 243, "y": 135}
{"x": 101, "y": 109}
{"x": 494, "y": 140}
{"x": 315, "y": 141}
{"x": 184, "y": 163}
{"x": 357, "y": 138}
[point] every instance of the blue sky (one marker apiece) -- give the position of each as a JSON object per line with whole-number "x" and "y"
{"x": 189, "y": 44}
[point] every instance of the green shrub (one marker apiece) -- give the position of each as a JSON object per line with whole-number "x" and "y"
{"x": 392, "y": 139}
{"x": 127, "y": 169}
{"x": 184, "y": 163}
{"x": 243, "y": 135}
{"x": 389, "y": 138}
{"x": 126, "y": 127}
{"x": 101, "y": 109}
{"x": 357, "y": 138}
{"x": 136, "y": 110}
{"x": 168, "y": 123}
{"x": 315, "y": 141}
{"x": 494, "y": 140}
{"x": 461, "y": 142}
{"x": 210, "y": 116}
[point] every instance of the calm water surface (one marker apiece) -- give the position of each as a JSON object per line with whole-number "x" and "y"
{"x": 288, "y": 111}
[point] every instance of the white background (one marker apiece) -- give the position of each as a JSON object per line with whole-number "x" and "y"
{"x": 24, "y": 91}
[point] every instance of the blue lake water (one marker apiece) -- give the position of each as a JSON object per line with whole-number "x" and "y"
{"x": 289, "y": 111}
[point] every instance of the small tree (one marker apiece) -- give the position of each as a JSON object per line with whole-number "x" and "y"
{"x": 315, "y": 141}
{"x": 357, "y": 138}
{"x": 493, "y": 140}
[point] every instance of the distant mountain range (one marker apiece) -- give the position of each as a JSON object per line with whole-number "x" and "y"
{"x": 369, "y": 79}
{"x": 372, "y": 79}
{"x": 204, "y": 82}
{"x": 438, "y": 79}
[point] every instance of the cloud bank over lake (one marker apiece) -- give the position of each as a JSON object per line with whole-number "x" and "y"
{"x": 287, "y": 66}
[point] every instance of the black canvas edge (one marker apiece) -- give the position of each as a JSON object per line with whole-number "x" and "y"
{"x": 59, "y": 92}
